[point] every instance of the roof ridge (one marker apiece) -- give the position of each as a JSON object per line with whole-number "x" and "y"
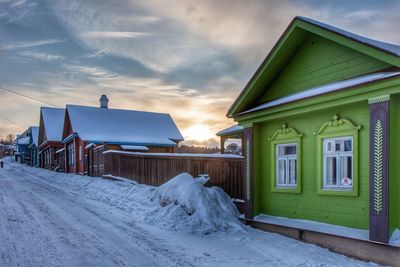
{"x": 51, "y": 108}
{"x": 354, "y": 36}
{"x": 118, "y": 109}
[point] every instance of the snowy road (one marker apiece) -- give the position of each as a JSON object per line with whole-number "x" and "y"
{"x": 46, "y": 223}
{"x": 40, "y": 225}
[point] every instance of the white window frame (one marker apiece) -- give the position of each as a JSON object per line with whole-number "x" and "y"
{"x": 71, "y": 154}
{"x": 80, "y": 152}
{"x": 337, "y": 155}
{"x": 286, "y": 158}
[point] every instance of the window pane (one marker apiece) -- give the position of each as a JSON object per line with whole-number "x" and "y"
{"x": 338, "y": 145}
{"x": 328, "y": 146}
{"x": 290, "y": 150}
{"x": 292, "y": 172}
{"x": 281, "y": 150}
{"x": 330, "y": 174}
{"x": 346, "y": 170}
{"x": 347, "y": 145}
{"x": 281, "y": 172}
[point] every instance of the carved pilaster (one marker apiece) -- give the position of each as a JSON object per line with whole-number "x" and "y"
{"x": 248, "y": 172}
{"x": 379, "y": 164}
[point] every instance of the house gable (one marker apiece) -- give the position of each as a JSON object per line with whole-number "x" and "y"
{"x": 42, "y": 131}
{"x": 67, "y": 129}
{"x": 320, "y": 61}
{"x": 294, "y": 43}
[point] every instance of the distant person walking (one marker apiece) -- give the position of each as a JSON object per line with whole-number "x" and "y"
{"x": 1, "y": 164}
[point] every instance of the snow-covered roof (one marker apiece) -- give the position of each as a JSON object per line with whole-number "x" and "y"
{"x": 23, "y": 141}
{"x": 387, "y": 47}
{"x": 35, "y": 135}
{"x": 53, "y": 120}
{"x": 60, "y": 150}
{"x": 231, "y": 130}
{"x": 181, "y": 155}
{"x": 90, "y": 145}
{"x": 336, "y": 86}
{"x": 128, "y": 147}
{"x": 119, "y": 126}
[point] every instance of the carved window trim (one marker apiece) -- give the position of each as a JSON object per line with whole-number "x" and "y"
{"x": 286, "y": 135}
{"x": 337, "y": 128}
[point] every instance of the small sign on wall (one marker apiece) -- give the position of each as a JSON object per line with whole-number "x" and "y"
{"x": 347, "y": 181}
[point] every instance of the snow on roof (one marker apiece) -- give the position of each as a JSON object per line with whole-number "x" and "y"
{"x": 230, "y": 130}
{"x": 90, "y": 145}
{"x": 35, "y": 135}
{"x": 187, "y": 155}
{"x": 60, "y": 150}
{"x": 127, "y": 147}
{"x": 23, "y": 141}
{"x": 53, "y": 120}
{"x": 319, "y": 90}
{"x": 119, "y": 126}
{"x": 390, "y": 48}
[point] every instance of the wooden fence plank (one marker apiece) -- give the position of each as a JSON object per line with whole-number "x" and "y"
{"x": 156, "y": 170}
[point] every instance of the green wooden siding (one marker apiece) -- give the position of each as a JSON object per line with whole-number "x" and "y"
{"x": 318, "y": 62}
{"x": 394, "y": 169}
{"x": 351, "y": 211}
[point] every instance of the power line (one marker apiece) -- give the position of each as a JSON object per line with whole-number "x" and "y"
{"x": 27, "y": 96}
{"x": 10, "y": 121}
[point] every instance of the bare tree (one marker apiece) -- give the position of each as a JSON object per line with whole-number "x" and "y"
{"x": 9, "y": 139}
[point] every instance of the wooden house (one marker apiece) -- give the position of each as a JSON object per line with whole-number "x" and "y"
{"x": 21, "y": 144}
{"x": 50, "y": 136}
{"x": 89, "y": 131}
{"x": 233, "y": 132}
{"x": 321, "y": 134}
{"x": 34, "y": 146}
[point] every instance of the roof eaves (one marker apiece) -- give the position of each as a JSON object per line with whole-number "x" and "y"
{"x": 317, "y": 91}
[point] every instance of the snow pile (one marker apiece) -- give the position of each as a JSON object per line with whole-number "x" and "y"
{"x": 395, "y": 239}
{"x": 182, "y": 203}
{"x": 185, "y": 204}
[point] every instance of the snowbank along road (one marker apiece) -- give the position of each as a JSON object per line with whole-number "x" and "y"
{"x": 52, "y": 219}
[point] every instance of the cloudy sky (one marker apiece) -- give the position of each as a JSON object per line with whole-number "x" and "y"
{"x": 185, "y": 57}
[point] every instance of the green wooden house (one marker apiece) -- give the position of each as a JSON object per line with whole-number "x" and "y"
{"x": 322, "y": 137}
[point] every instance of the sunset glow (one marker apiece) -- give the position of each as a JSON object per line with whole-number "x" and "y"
{"x": 198, "y": 132}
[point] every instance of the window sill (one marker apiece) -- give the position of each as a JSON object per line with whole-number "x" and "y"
{"x": 287, "y": 189}
{"x": 337, "y": 192}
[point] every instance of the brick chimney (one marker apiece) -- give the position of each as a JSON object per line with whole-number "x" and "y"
{"x": 103, "y": 101}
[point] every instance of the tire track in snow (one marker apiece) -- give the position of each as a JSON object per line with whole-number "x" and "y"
{"x": 101, "y": 236}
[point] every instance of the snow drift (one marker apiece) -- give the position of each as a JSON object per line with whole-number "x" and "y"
{"x": 395, "y": 238}
{"x": 182, "y": 203}
{"x": 185, "y": 204}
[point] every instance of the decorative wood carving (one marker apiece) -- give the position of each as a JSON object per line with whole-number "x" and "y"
{"x": 379, "y": 163}
{"x": 248, "y": 173}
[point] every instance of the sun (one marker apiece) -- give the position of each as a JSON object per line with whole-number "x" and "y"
{"x": 198, "y": 132}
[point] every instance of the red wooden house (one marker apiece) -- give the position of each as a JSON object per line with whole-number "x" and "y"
{"x": 50, "y": 136}
{"x": 88, "y": 131}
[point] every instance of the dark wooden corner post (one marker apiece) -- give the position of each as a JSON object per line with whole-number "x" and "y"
{"x": 248, "y": 184}
{"x": 379, "y": 166}
{"x": 223, "y": 144}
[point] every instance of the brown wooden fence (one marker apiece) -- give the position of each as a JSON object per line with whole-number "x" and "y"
{"x": 151, "y": 169}
{"x": 97, "y": 161}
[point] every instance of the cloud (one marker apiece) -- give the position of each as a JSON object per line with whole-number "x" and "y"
{"x": 18, "y": 3}
{"x": 163, "y": 46}
{"x": 28, "y": 44}
{"x": 89, "y": 71}
{"x": 41, "y": 56}
{"x": 112, "y": 34}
